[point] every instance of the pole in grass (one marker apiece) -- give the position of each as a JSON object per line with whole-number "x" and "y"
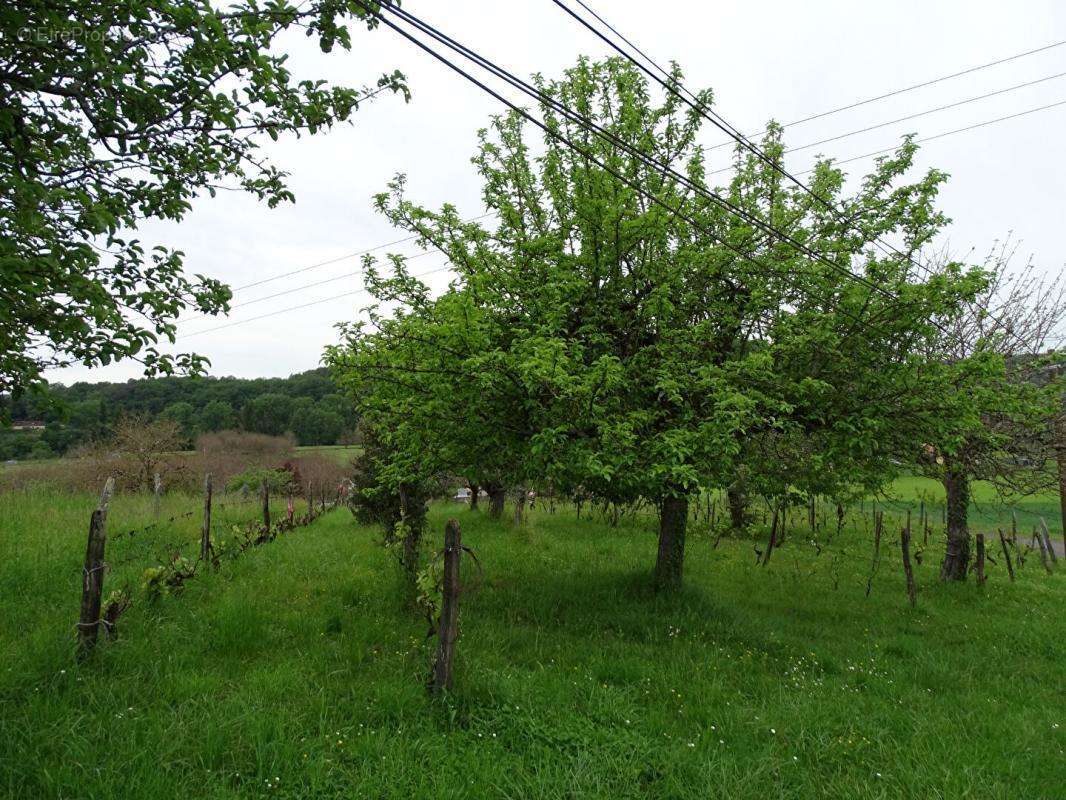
{"x": 92, "y": 585}
{"x": 205, "y": 534}
{"x": 266, "y": 508}
{"x": 1006, "y": 555}
{"x": 448, "y": 626}
{"x": 1047, "y": 541}
{"x": 905, "y": 546}
{"x": 157, "y": 492}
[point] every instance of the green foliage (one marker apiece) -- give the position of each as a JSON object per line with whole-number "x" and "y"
{"x": 86, "y": 412}
{"x": 117, "y": 113}
{"x": 165, "y": 579}
{"x": 185, "y": 416}
{"x": 373, "y": 499}
{"x": 317, "y": 425}
{"x": 253, "y": 480}
{"x": 595, "y": 341}
{"x": 571, "y": 680}
{"x": 41, "y": 449}
{"x": 269, "y": 414}
{"x": 216, "y": 416}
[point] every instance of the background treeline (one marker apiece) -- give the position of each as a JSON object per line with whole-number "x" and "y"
{"x": 306, "y": 404}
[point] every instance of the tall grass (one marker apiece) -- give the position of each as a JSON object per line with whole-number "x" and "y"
{"x": 297, "y": 671}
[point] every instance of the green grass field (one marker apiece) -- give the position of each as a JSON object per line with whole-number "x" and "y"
{"x": 341, "y": 453}
{"x": 298, "y": 671}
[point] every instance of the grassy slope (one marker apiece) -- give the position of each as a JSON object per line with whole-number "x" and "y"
{"x": 298, "y": 663}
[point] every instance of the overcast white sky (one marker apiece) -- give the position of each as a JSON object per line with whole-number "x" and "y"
{"x": 774, "y": 59}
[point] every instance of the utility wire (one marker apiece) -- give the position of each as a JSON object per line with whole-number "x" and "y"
{"x": 301, "y": 288}
{"x": 344, "y": 257}
{"x": 925, "y": 113}
{"x": 945, "y": 133}
{"x": 896, "y": 92}
{"x": 914, "y": 116}
{"x": 857, "y": 103}
{"x": 717, "y": 120}
{"x": 678, "y": 90}
{"x": 797, "y": 122}
{"x": 296, "y": 308}
{"x": 675, "y": 211}
{"x": 731, "y": 141}
{"x": 590, "y": 125}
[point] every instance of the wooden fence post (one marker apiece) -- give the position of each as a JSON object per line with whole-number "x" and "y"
{"x": 157, "y": 491}
{"x": 1006, "y": 555}
{"x": 771, "y": 541}
{"x": 205, "y": 532}
{"x": 92, "y": 584}
{"x": 905, "y": 546}
{"x": 878, "y": 521}
{"x": 266, "y": 507}
{"x": 448, "y": 626}
{"x": 980, "y": 559}
{"x": 1039, "y": 539}
{"x": 1047, "y": 540}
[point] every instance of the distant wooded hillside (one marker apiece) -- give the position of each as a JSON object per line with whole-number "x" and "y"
{"x": 306, "y": 404}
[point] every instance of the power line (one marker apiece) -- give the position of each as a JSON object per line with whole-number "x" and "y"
{"x": 927, "y": 112}
{"x": 297, "y": 308}
{"x": 589, "y": 125}
{"x": 922, "y": 85}
{"x": 344, "y": 257}
{"x": 857, "y": 103}
{"x": 295, "y": 289}
{"x": 945, "y": 133}
{"x": 482, "y": 216}
{"x": 678, "y": 90}
{"x": 716, "y": 119}
{"x": 909, "y": 117}
{"x": 406, "y": 239}
{"x": 675, "y": 211}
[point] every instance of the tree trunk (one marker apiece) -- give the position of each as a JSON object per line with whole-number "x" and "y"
{"x": 475, "y": 490}
{"x": 671, "y": 558}
{"x": 497, "y": 496}
{"x": 1060, "y": 457}
{"x": 957, "y": 557}
{"x": 737, "y": 506}
{"x": 519, "y": 505}
{"x": 413, "y": 512}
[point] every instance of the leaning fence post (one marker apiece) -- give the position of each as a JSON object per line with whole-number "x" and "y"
{"x": 1047, "y": 541}
{"x": 448, "y": 626}
{"x": 878, "y": 522}
{"x": 905, "y": 546}
{"x": 1043, "y": 549}
{"x": 266, "y": 507}
{"x": 1006, "y": 555}
{"x": 92, "y": 584}
{"x": 157, "y": 491}
{"x": 205, "y": 534}
{"x": 980, "y": 559}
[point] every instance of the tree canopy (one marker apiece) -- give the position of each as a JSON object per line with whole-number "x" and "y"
{"x": 116, "y": 112}
{"x": 622, "y": 332}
